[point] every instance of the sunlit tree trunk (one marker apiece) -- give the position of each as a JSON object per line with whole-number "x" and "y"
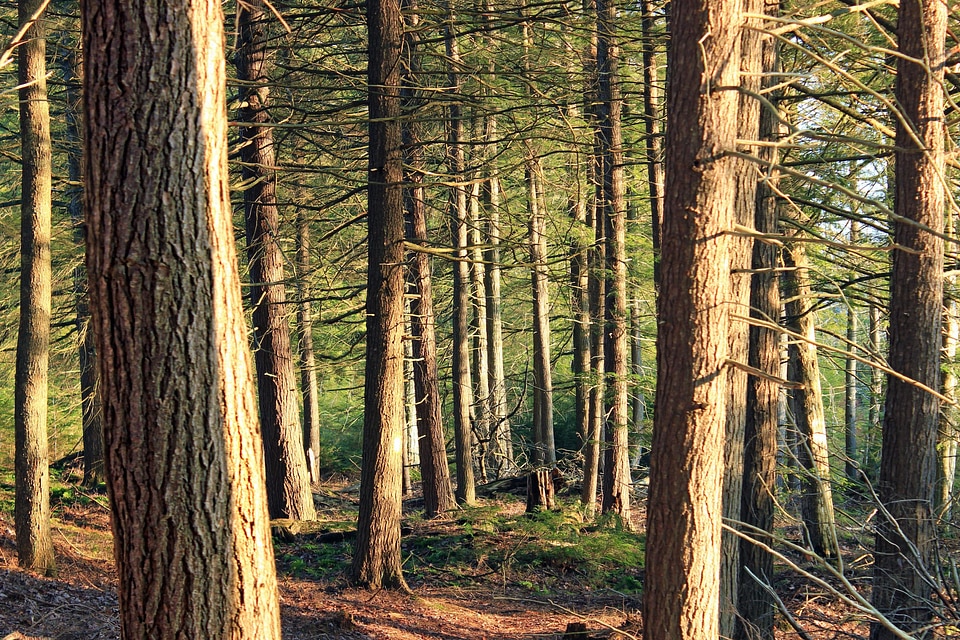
{"x": 31, "y": 463}
{"x": 376, "y": 560}
{"x": 184, "y": 456}
{"x": 544, "y": 450}
{"x": 681, "y": 599}
{"x": 948, "y": 436}
{"x": 288, "y": 482}
{"x": 908, "y": 464}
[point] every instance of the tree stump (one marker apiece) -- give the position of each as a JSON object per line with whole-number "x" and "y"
{"x": 540, "y": 491}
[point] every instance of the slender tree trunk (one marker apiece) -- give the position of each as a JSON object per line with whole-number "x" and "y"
{"x": 434, "y": 469}
{"x": 544, "y": 450}
{"x": 376, "y": 561}
{"x": 850, "y": 385}
{"x": 184, "y": 455}
{"x": 681, "y": 600}
{"x": 91, "y": 411}
{"x": 876, "y": 390}
{"x": 288, "y": 483}
{"x": 612, "y": 201}
{"x": 309, "y": 384}
{"x": 948, "y": 436}
{"x": 905, "y": 542}
{"x": 741, "y": 252}
{"x": 481, "y": 352}
{"x": 816, "y": 500}
{"x": 32, "y": 473}
{"x": 755, "y": 603}
{"x": 652, "y": 115}
{"x": 462, "y": 385}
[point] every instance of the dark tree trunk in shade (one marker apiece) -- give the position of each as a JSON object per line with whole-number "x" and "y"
{"x": 755, "y": 603}
{"x": 184, "y": 455}
{"x": 741, "y": 252}
{"x": 376, "y": 561}
{"x": 288, "y": 483}
{"x": 908, "y": 465}
{"x": 91, "y": 411}
{"x": 31, "y": 463}
{"x": 681, "y": 599}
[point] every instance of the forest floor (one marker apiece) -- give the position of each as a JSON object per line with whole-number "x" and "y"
{"x": 488, "y": 573}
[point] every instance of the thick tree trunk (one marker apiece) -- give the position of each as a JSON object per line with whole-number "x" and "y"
{"x": 462, "y": 385}
{"x": 91, "y": 411}
{"x": 309, "y": 384}
{"x": 434, "y": 468}
{"x": 184, "y": 454}
{"x": 816, "y": 500}
{"x": 612, "y": 202}
{"x": 32, "y": 473}
{"x": 288, "y": 483}
{"x": 755, "y": 604}
{"x": 681, "y": 599}
{"x": 908, "y": 467}
{"x": 376, "y": 560}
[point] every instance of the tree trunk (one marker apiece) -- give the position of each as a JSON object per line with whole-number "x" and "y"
{"x": 816, "y": 501}
{"x": 481, "y": 352}
{"x": 462, "y": 385}
{"x": 376, "y": 560}
{"x": 544, "y": 450}
{"x": 309, "y": 385}
{"x": 681, "y": 598}
{"x": 288, "y": 483}
{"x": 91, "y": 411}
{"x": 652, "y": 116}
{"x": 876, "y": 392}
{"x": 850, "y": 385}
{"x": 741, "y": 252}
{"x": 948, "y": 435}
{"x": 540, "y": 491}
{"x": 32, "y": 473}
{"x": 184, "y": 456}
{"x": 434, "y": 468}
{"x": 905, "y": 542}
{"x": 755, "y": 604}
{"x": 612, "y": 203}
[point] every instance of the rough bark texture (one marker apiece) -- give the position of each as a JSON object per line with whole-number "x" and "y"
{"x": 288, "y": 482}
{"x": 816, "y": 500}
{"x": 309, "y": 384}
{"x": 434, "y": 467}
{"x": 184, "y": 454}
{"x": 376, "y": 560}
{"x": 612, "y": 202}
{"x": 755, "y": 604}
{"x": 32, "y": 473}
{"x": 681, "y": 600}
{"x": 741, "y": 252}
{"x": 908, "y": 464}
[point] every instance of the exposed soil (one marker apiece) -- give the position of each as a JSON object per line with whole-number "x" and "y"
{"x": 470, "y": 603}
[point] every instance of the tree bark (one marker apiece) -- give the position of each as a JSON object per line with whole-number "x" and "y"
{"x": 376, "y": 560}
{"x": 309, "y": 384}
{"x": 850, "y": 445}
{"x": 434, "y": 468}
{"x": 681, "y": 598}
{"x": 91, "y": 411}
{"x": 816, "y": 500}
{"x": 31, "y": 463}
{"x": 755, "y": 604}
{"x": 184, "y": 454}
{"x": 612, "y": 202}
{"x": 288, "y": 483}
{"x": 544, "y": 450}
{"x": 908, "y": 466}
